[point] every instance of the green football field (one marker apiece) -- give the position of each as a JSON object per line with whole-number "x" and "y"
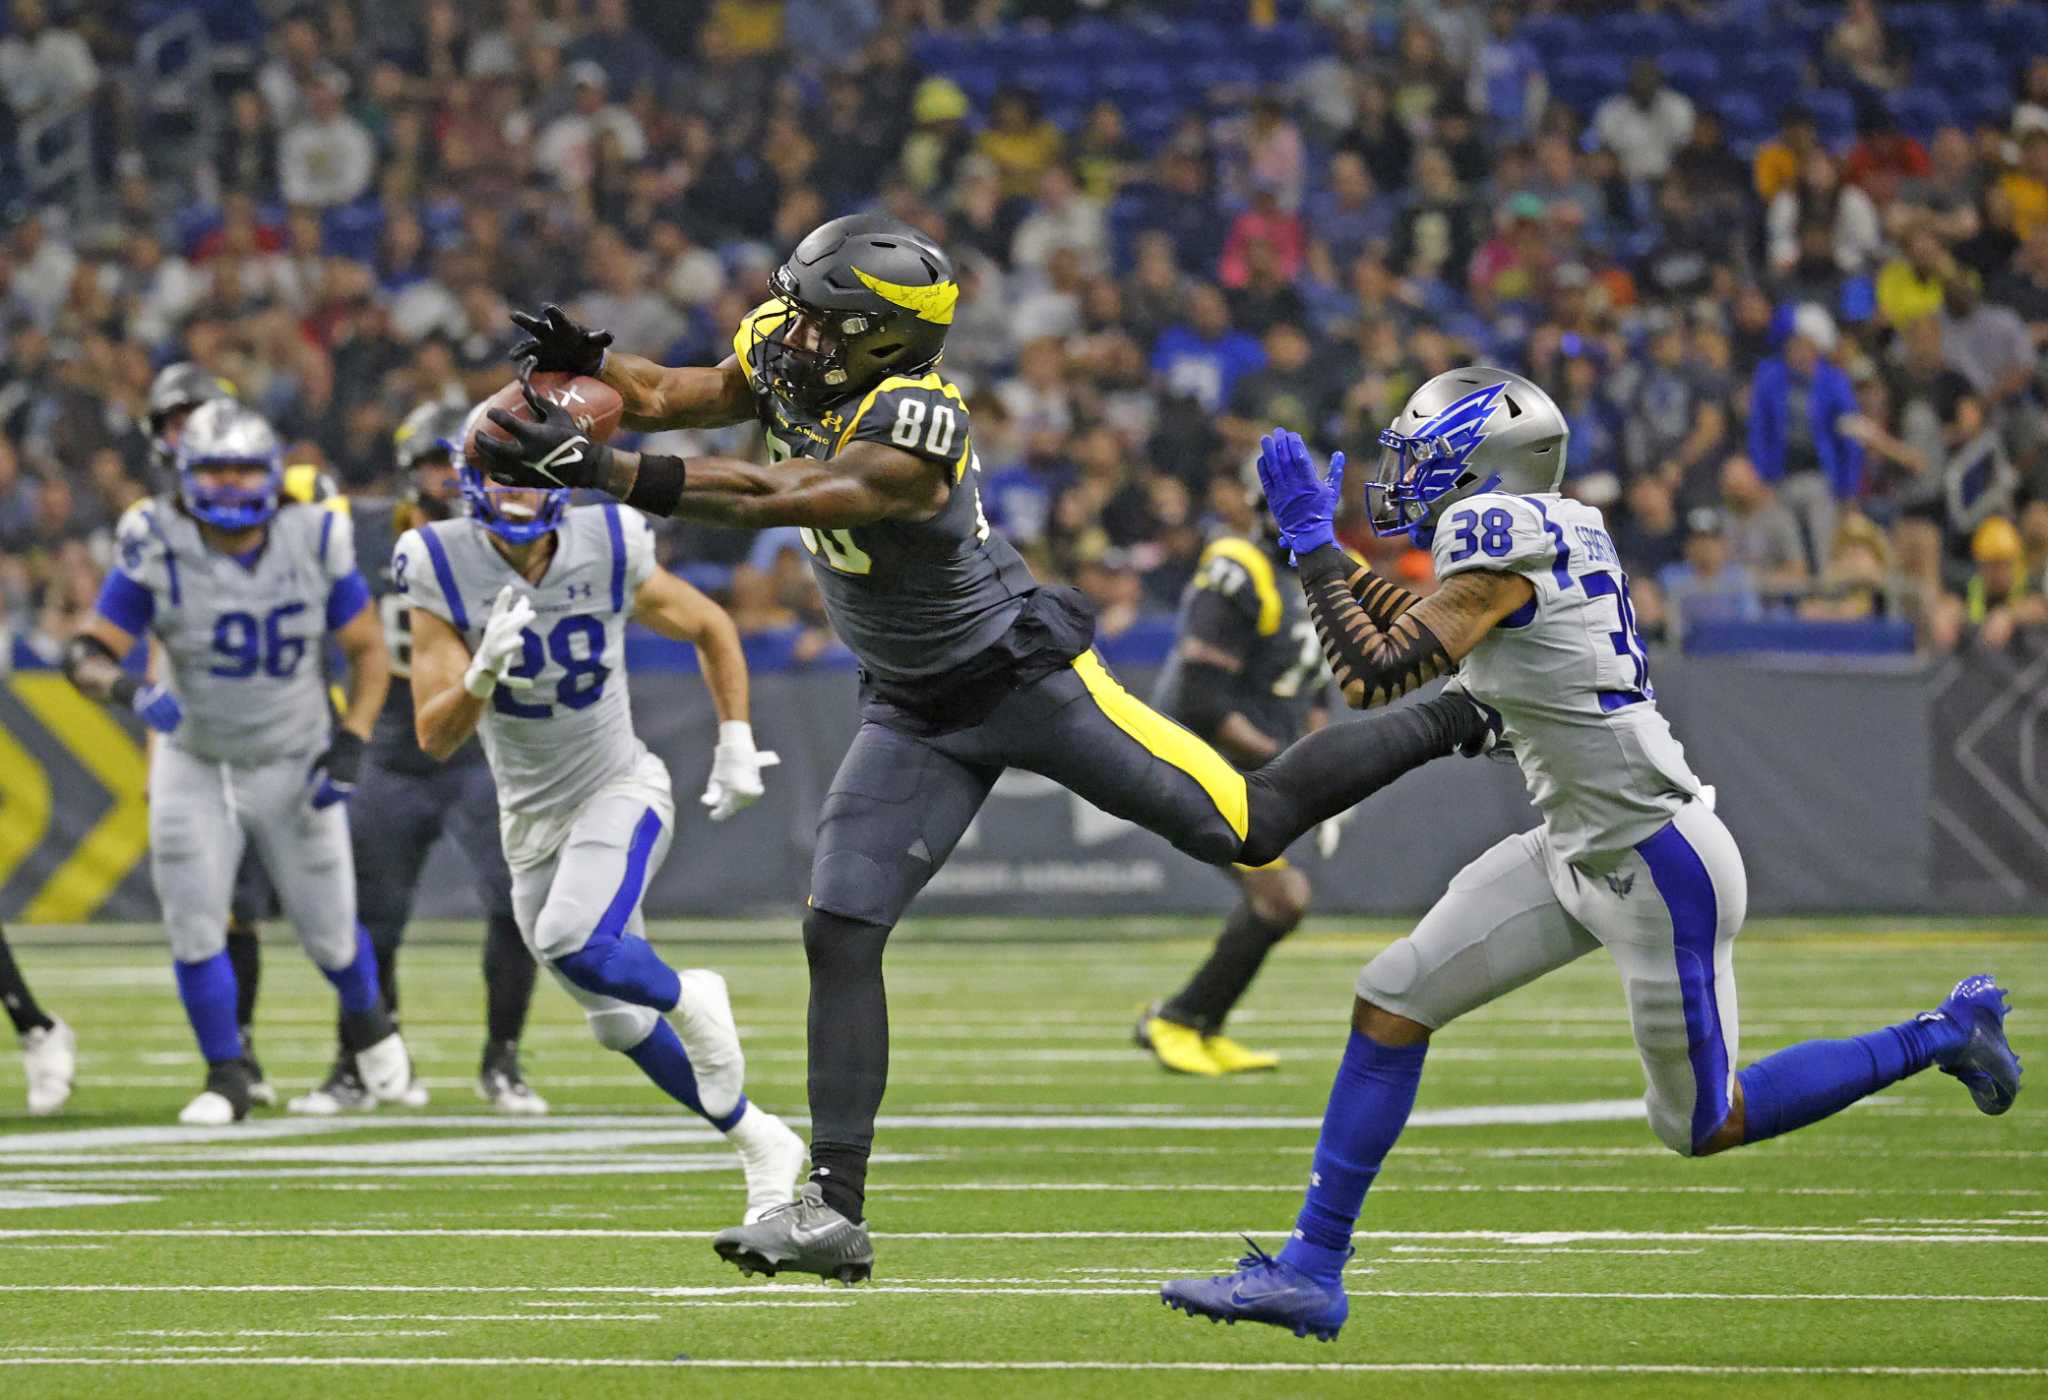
{"x": 1036, "y": 1179}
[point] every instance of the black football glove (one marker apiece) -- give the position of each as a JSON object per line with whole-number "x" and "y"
{"x": 546, "y": 452}
{"x": 554, "y": 342}
{"x": 333, "y": 775}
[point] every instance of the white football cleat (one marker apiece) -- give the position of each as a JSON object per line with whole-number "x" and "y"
{"x": 209, "y": 1110}
{"x": 50, "y": 1056}
{"x": 703, "y": 1021}
{"x": 772, "y": 1157}
{"x": 386, "y": 1069}
{"x": 503, "y": 1087}
{"x": 341, "y": 1092}
{"x": 224, "y": 1100}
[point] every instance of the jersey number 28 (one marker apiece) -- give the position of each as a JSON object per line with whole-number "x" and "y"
{"x": 583, "y": 677}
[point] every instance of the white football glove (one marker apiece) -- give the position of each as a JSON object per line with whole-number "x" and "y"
{"x": 736, "y": 770}
{"x": 500, "y": 647}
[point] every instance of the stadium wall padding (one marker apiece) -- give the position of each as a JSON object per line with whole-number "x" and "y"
{"x": 1867, "y": 787}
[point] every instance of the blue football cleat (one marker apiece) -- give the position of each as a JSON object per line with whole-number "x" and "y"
{"x": 1263, "y": 1289}
{"x": 1985, "y": 1061}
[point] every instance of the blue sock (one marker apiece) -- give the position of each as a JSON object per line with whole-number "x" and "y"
{"x": 357, "y": 983}
{"x": 1369, "y": 1105}
{"x": 1805, "y": 1083}
{"x": 626, "y": 967}
{"x": 207, "y": 988}
{"x": 661, "y": 1057}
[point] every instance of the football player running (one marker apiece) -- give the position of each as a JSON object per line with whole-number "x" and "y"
{"x": 243, "y": 589}
{"x": 1533, "y": 612}
{"x": 518, "y": 623}
{"x": 1246, "y": 674}
{"x": 49, "y": 1049}
{"x": 968, "y": 665}
{"x": 417, "y": 801}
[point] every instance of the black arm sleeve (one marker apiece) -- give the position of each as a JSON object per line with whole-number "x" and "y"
{"x": 1383, "y": 600}
{"x": 1372, "y": 666}
{"x": 81, "y": 649}
{"x": 658, "y": 485}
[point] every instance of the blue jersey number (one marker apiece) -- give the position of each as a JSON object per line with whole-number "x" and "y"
{"x": 1600, "y": 583}
{"x": 583, "y": 677}
{"x": 243, "y": 646}
{"x": 1492, "y": 532}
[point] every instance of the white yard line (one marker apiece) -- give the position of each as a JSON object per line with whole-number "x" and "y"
{"x": 1198, "y": 1367}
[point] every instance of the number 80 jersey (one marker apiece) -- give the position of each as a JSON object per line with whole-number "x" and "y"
{"x": 556, "y": 742}
{"x": 1568, "y": 672}
{"x": 910, "y": 598}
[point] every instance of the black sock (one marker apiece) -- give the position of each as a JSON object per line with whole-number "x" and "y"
{"x": 509, "y": 970}
{"x": 1228, "y": 971}
{"x": 245, "y": 955}
{"x": 849, "y": 1053}
{"x": 1341, "y": 765}
{"x": 387, "y": 971}
{"x": 14, "y": 995}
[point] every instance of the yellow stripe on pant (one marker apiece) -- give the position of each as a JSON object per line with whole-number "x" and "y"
{"x": 1167, "y": 741}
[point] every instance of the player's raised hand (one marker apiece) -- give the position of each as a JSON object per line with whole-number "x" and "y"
{"x": 736, "y": 770}
{"x": 1303, "y": 505}
{"x": 501, "y": 645}
{"x": 556, "y": 342}
{"x": 158, "y": 708}
{"x": 333, "y": 775}
{"x": 547, "y": 451}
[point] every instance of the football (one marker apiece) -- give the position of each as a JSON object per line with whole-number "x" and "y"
{"x": 594, "y": 404}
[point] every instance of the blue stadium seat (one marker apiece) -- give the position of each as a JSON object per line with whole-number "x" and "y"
{"x": 1727, "y": 37}
{"x": 1221, "y": 73}
{"x": 1834, "y": 112}
{"x": 1744, "y": 116}
{"x": 1964, "y": 67}
{"x": 1635, "y": 33}
{"x": 1694, "y": 72}
{"x": 1057, "y": 85}
{"x": 1921, "y": 111}
{"x": 1152, "y": 123}
{"x": 1554, "y": 37}
{"x": 1922, "y": 27}
{"x": 1139, "y": 82}
{"x": 1809, "y": 22}
{"x": 2018, "y": 29}
{"x": 979, "y": 81}
{"x": 1774, "y": 75}
{"x": 1989, "y": 108}
{"x": 1583, "y": 80}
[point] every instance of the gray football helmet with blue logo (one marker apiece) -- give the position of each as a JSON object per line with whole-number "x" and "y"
{"x": 1465, "y": 432}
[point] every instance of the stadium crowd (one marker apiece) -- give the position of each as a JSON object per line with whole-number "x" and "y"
{"x": 1802, "y": 367}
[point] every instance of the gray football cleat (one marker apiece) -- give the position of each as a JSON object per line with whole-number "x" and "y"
{"x": 805, "y": 1235}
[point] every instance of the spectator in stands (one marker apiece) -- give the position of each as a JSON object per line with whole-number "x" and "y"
{"x": 1910, "y": 285}
{"x": 1947, "y": 195}
{"x": 1780, "y": 159}
{"x": 939, "y": 142}
{"x": 1707, "y": 586}
{"x": 1348, "y": 215}
{"x": 1645, "y": 124}
{"x": 1647, "y": 535}
{"x": 1820, "y": 199}
{"x": 1507, "y": 85}
{"x": 1435, "y": 236}
{"x": 1762, "y": 535}
{"x": 1797, "y": 401}
{"x": 1266, "y": 222}
{"x": 1999, "y": 598}
{"x": 1851, "y": 587}
{"x": 1179, "y": 204}
{"x": 43, "y": 66}
{"x": 568, "y": 147}
{"x": 2023, "y": 287}
{"x": 1859, "y": 45}
{"x": 1884, "y": 158}
{"x": 1065, "y": 218}
{"x": 1986, "y": 343}
{"x": 327, "y": 158}
{"x": 1021, "y": 142}
{"x": 1202, "y": 358}
{"x": 2025, "y": 187}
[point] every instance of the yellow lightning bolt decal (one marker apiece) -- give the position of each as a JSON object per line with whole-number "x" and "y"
{"x": 934, "y": 304}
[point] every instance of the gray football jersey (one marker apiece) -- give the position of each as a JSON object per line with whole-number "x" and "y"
{"x": 553, "y": 745}
{"x": 244, "y": 638}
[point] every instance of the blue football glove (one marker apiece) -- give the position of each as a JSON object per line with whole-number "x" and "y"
{"x": 158, "y": 708}
{"x": 333, "y": 776}
{"x": 1303, "y": 506}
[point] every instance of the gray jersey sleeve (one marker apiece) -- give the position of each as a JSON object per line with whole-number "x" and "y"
{"x": 422, "y": 574}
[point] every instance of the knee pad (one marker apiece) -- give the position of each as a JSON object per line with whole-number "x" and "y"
{"x": 621, "y": 1028}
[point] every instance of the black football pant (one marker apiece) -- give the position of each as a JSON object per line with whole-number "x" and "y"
{"x": 901, "y": 801}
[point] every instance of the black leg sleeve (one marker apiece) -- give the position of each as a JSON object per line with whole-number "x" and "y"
{"x": 1222, "y": 979}
{"x": 245, "y": 955}
{"x": 509, "y": 970}
{"x": 14, "y": 995}
{"x": 849, "y": 1052}
{"x": 1340, "y": 766}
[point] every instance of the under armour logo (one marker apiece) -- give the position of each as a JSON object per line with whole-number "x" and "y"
{"x": 831, "y": 422}
{"x": 579, "y": 590}
{"x": 1621, "y": 884}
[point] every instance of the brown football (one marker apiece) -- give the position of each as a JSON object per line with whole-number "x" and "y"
{"x": 594, "y": 404}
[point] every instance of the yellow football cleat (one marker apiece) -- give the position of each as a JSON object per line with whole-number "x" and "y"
{"x": 1179, "y": 1048}
{"x": 1233, "y": 1058}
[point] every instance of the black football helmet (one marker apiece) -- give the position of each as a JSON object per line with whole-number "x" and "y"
{"x": 864, "y": 297}
{"x": 176, "y": 391}
{"x": 430, "y": 429}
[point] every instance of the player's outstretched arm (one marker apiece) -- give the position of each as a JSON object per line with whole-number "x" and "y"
{"x": 445, "y": 712}
{"x": 656, "y": 396}
{"x": 1373, "y": 666}
{"x": 673, "y": 608}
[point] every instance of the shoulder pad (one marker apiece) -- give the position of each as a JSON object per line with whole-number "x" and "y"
{"x": 1499, "y": 531}
{"x": 1240, "y": 570}
{"x": 921, "y": 414}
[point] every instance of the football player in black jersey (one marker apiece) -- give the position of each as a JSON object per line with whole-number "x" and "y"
{"x": 409, "y": 801}
{"x": 1246, "y": 674}
{"x": 49, "y": 1050}
{"x": 968, "y": 665}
